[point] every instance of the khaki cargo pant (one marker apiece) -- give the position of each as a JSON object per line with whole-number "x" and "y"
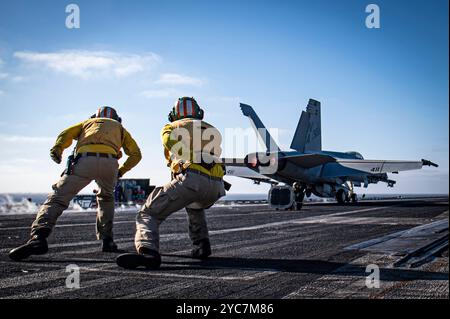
{"x": 104, "y": 171}
{"x": 191, "y": 191}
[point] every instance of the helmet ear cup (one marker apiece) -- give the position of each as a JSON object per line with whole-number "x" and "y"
{"x": 200, "y": 114}
{"x": 172, "y": 116}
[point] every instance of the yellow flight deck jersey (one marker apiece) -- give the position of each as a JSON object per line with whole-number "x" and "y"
{"x": 101, "y": 135}
{"x": 204, "y": 141}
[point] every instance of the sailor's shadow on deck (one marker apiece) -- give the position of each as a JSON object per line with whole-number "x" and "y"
{"x": 44, "y": 260}
{"x": 301, "y": 266}
{"x": 318, "y": 267}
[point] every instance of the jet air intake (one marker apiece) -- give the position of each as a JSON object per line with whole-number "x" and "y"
{"x": 264, "y": 163}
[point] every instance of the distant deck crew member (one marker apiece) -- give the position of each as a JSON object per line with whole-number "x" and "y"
{"x": 192, "y": 150}
{"x": 99, "y": 143}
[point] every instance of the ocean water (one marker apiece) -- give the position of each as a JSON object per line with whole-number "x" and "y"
{"x": 20, "y": 204}
{"x": 28, "y": 203}
{"x": 15, "y": 204}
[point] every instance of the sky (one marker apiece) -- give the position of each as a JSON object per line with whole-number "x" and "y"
{"x": 384, "y": 92}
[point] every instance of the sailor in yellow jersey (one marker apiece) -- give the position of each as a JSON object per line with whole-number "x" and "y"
{"x": 192, "y": 150}
{"x": 99, "y": 143}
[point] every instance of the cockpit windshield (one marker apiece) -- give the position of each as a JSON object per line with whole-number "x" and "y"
{"x": 356, "y": 155}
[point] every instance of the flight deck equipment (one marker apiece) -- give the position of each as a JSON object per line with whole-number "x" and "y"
{"x": 281, "y": 197}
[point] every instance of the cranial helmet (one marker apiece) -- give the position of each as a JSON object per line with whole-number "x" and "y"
{"x": 185, "y": 107}
{"x": 107, "y": 112}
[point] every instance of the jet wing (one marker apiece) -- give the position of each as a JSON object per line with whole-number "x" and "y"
{"x": 310, "y": 160}
{"x": 381, "y": 166}
{"x": 245, "y": 172}
{"x": 233, "y": 162}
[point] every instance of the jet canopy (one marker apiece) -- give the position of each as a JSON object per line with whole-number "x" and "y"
{"x": 356, "y": 155}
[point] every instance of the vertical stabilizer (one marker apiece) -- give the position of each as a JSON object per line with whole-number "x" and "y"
{"x": 261, "y": 131}
{"x": 308, "y": 135}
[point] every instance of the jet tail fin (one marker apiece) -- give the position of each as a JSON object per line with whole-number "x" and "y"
{"x": 308, "y": 135}
{"x": 262, "y": 132}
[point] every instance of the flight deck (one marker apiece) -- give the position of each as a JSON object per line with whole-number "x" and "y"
{"x": 325, "y": 250}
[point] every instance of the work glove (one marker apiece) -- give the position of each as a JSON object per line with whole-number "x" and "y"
{"x": 56, "y": 154}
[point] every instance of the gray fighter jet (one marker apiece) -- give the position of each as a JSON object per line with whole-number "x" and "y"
{"x": 307, "y": 169}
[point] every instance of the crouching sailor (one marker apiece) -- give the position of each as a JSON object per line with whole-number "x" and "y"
{"x": 99, "y": 143}
{"x": 192, "y": 149}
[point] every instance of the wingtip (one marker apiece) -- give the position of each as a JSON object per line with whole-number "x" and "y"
{"x": 429, "y": 163}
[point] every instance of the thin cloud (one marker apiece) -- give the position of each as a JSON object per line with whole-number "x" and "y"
{"x": 19, "y": 79}
{"x": 88, "y": 64}
{"x": 25, "y": 139}
{"x": 160, "y": 94}
{"x": 1, "y": 92}
{"x": 232, "y": 100}
{"x": 179, "y": 79}
{"x": 3, "y": 75}
{"x": 20, "y": 160}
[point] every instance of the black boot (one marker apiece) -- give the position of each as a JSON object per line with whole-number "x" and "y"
{"x": 202, "y": 249}
{"x": 148, "y": 258}
{"x": 109, "y": 246}
{"x": 37, "y": 245}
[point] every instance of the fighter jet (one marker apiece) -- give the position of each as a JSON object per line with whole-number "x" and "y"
{"x": 307, "y": 169}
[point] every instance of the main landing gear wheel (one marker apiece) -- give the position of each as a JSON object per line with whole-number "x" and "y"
{"x": 299, "y": 196}
{"x": 341, "y": 197}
